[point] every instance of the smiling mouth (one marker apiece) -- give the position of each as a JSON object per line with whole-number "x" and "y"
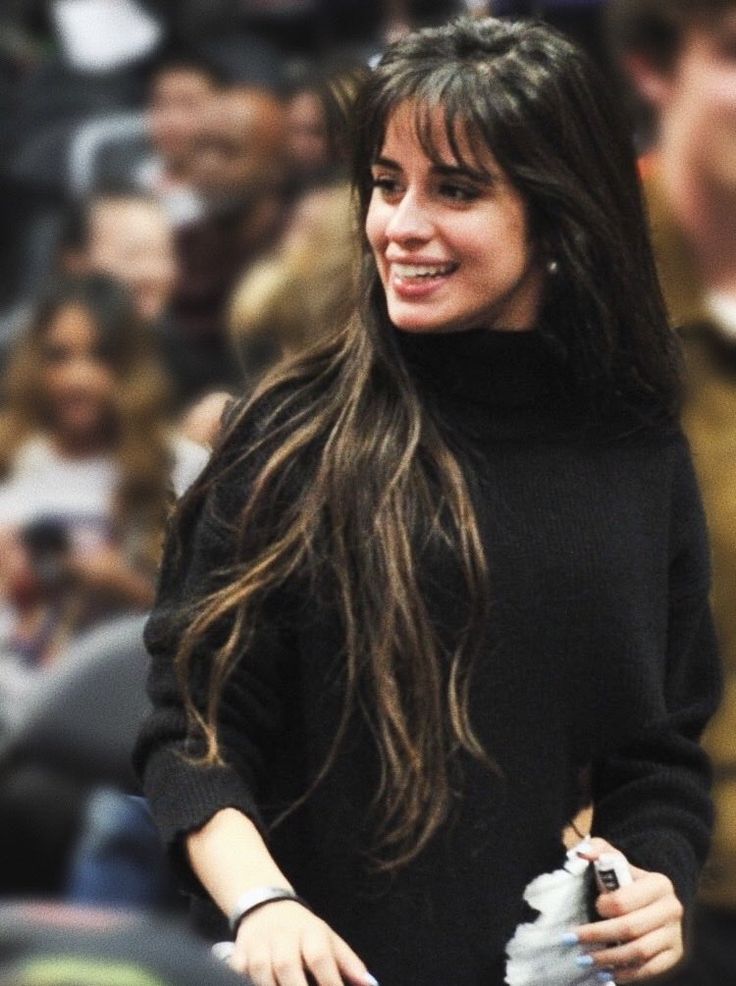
{"x": 421, "y": 272}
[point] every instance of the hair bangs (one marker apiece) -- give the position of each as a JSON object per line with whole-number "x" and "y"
{"x": 443, "y": 121}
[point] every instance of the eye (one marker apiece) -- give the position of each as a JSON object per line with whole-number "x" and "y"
{"x": 458, "y": 193}
{"x": 387, "y": 186}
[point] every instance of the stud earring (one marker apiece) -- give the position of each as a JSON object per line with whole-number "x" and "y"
{"x": 552, "y": 267}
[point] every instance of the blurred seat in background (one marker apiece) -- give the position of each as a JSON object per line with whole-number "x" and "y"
{"x": 65, "y": 946}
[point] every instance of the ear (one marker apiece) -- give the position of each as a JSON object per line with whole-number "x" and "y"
{"x": 653, "y": 84}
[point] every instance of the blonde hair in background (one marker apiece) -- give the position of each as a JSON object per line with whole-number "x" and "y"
{"x": 306, "y": 289}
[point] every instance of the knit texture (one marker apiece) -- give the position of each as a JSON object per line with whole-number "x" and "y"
{"x": 598, "y": 662}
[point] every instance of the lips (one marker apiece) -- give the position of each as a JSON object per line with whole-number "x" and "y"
{"x": 418, "y": 281}
{"x": 405, "y": 272}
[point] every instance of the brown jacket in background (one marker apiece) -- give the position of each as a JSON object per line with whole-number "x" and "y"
{"x": 710, "y": 423}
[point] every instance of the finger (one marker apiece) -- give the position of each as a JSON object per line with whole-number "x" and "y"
{"x": 350, "y": 965}
{"x": 631, "y": 926}
{"x": 596, "y": 847}
{"x": 641, "y": 893}
{"x": 257, "y": 965}
{"x": 599, "y": 846}
{"x": 661, "y": 963}
{"x": 636, "y": 953}
{"x": 319, "y": 959}
{"x": 286, "y": 962}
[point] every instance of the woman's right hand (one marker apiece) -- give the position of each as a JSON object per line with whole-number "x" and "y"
{"x": 281, "y": 942}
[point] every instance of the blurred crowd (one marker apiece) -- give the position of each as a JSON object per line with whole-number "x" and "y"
{"x": 177, "y": 217}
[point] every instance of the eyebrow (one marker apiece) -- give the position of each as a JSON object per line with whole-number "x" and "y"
{"x": 444, "y": 170}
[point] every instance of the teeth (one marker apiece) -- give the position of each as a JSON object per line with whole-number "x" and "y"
{"x": 421, "y": 270}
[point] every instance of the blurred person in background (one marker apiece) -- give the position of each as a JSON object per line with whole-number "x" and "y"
{"x": 681, "y": 57}
{"x": 305, "y": 290}
{"x": 129, "y": 237}
{"x": 239, "y": 170}
{"x": 180, "y": 92}
{"x": 304, "y": 26}
{"x": 92, "y": 69}
{"x": 150, "y": 151}
{"x": 317, "y": 107}
{"x": 88, "y": 465}
{"x": 296, "y": 290}
{"x": 289, "y": 300}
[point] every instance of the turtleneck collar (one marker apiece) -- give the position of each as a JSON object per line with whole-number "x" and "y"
{"x": 494, "y": 368}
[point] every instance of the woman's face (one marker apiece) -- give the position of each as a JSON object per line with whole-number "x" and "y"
{"x": 452, "y": 248}
{"x": 79, "y": 384}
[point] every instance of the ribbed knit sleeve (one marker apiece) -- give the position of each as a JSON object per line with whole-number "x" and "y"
{"x": 182, "y": 796}
{"x": 652, "y": 796}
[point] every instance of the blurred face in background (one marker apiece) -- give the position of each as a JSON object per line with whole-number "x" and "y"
{"x": 179, "y": 97}
{"x": 240, "y": 145}
{"x": 308, "y": 140}
{"x": 78, "y": 381}
{"x": 131, "y": 239}
{"x": 696, "y": 100}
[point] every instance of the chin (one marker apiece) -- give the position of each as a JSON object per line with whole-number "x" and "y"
{"x": 425, "y": 325}
{"x": 417, "y": 322}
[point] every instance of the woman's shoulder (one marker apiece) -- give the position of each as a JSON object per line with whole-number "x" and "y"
{"x": 636, "y": 422}
{"x": 254, "y": 426}
{"x": 253, "y": 431}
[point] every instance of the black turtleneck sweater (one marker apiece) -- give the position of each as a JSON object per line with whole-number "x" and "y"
{"x": 598, "y": 662}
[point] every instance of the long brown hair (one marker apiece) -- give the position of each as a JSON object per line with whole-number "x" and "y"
{"x": 137, "y": 433}
{"x": 378, "y": 478}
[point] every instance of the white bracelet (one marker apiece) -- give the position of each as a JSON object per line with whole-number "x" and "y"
{"x": 252, "y": 899}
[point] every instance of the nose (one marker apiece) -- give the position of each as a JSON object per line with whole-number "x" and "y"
{"x": 81, "y": 373}
{"x": 410, "y": 220}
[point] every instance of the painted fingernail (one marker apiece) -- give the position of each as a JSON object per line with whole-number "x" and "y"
{"x": 569, "y": 938}
{"x": 584, "y": 961}
{"x": 604, "y": 977}
{"x": 370, "y": 980}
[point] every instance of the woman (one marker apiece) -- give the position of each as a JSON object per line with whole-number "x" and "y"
{"x": 87, "y": 464}
{"x": 446, "y": 578}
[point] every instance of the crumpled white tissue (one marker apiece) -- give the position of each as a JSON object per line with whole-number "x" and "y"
{"x": 535, "y": 954}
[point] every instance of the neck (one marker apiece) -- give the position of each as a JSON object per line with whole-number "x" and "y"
{"x": 80, "y": 446}
{"x": 705, "y": 211}
{"x": 483, "y": 367}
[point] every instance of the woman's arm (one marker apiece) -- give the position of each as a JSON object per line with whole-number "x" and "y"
{"x": 208, "y": 816}
{"x": 652, "y": 795}
{"x": 277, "y": 942}
{"x": 229, "y": 856}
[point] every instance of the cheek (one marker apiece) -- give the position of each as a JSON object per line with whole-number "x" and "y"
{"x": 375, "y": 225}
{"x": 104, "y": 384}
{"x": 54, "y": 380}
{"x": 496, "y": 241}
